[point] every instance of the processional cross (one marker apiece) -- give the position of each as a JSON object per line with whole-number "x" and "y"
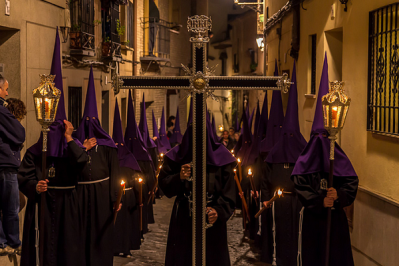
{"x": 201, "y": 84}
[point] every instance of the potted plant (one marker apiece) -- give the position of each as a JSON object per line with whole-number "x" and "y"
{"x": 106, "y": 51}
{"x": 75, "y": 36}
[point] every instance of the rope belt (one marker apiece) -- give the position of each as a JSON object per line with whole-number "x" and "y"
{"x": 53, "y": 187}
{"x": 274, "y": 263}
{"x": 299, "y": 257}
{"x": 129, "y": 188}
{"x": 92, "y": 182}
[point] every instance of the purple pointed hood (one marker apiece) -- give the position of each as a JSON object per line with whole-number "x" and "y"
{"x": 291, "y": 142}
{"x": 216, "y": 153}
{"x": 163, "y": 138}
{"x": 275, "y": 123}
{"x": 161, "y": 148}
{"x": 133, "y": 139}
{"x": 246, "y": 140}
{"x": 126, "y": 158}
{"x": 264, "y": 117}
{"x": 253, "y": 152}
{"x": 315, "y": 157}
{"x": 90, "y": 125}
{"x": 214, "y": 131}
{"x": 143, "y": 126}
{"x": 176, "y": 136}
{"x": 56, "y": 142}
{"x": 251, "y": 120}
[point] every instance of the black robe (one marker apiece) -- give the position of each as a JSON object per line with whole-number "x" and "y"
{"x": 179, "y": 246}
{"x": 286, "y": 213}
{"x": 96, "y": 202}
{"x": 62, "y": 234}
{"x": 147, "y": 171}
{"x": 315, "y": 219}
{"x": 127, "y": 226}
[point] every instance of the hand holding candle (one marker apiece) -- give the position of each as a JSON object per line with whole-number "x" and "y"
{"x": 277, "y": 195}
{"x": 118, "y": 200}
{"x": 239, "y": 169}
{"x": 251, "y": 179}
{"x": 244, "y": 203}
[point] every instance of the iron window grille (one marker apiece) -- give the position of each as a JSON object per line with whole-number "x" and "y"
{"x": 75, "y": 105}
{"x": 129, "y": 25}
{"x": 111, "y": 39}
{"x": 156, "y": 39}
{"x": 82, "y": 19}
{"x": 383, "y": 71}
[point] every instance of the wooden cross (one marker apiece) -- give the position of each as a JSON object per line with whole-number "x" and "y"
{"x": 201, "y": 84}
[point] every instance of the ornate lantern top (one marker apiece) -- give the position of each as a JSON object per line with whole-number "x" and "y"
{"x": 199, "y": 25}
{"x": 46, "y": 98}
{"x": 335, "y": 107}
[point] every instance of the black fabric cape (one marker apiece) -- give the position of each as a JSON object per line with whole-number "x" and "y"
{"x": 286, "y": 212}
{"x": 127, "y": 234}
{"x": 96, "y": 205}
{"x": 315, "y": 219}
{"x": 62, "y": 234}
{"x": 179, "y": 246}
{"x": 148, "y": 183}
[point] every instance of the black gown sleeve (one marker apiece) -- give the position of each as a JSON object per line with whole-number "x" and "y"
{"x": 307, "y": 194}
{"x": 78, "y": 156}
{"x": 27, "y": 179}
{"x": 11, "y": 129}
{"x": 347, "y": 191}
{"x": 113, "y": 165}
{"x": 265, "y": 190}
{"x": 169, "y": 179}
{"x": 225, "y": 204}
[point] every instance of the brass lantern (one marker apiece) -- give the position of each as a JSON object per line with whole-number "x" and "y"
{"x": 46, "y": 98}
{"x": 335, "y": 107}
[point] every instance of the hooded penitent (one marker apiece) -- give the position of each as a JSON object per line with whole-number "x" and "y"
{"x": 56, "y": 142}
{"x": 216, "y": 153}
{"x": 126, "y": 158}
{"x": 163, "y": 138}
{"x": 90, "y": 125}
{"x": 143, "y": 126}
{"x": 158, "y": 142}
{"x": 251, "y": 120}
{"x": 253, "y": 152}
{"x": 275, "y": 123}
{"x": 246, "y": 139}
{"x": 133, "y": 139}
{"x": 315, "y": 156}
{"x": 264, "y": 118}
{"x": 176, "y": 136}
{"x": 291, "y": 142}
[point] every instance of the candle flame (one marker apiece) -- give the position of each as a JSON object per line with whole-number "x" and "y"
{"x": 235, "y": 170}
{"x": 140, "y": 180}
{"x": 249, "y": 171}
{"x": 239, "y": 160}
{"x": 160, "y": 166}
{"x": 122, "y": 183}
{"x": 335, "y": 108}
{"x": 279, "y": 192}
{"x": 232, "y": 151}
{"x": 161, "y": 154}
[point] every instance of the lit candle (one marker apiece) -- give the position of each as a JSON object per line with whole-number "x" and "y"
{"x": 141, "y": 202}
{"x": 118, "y": 199}
{"x": 244, "y": 202}
{"x": 251, "y": 180}
{"x": 276, "y": 196}
{"x": 46, "y": 105}
{"x": 239, "y": 169}
{"x": 334, "y": 111}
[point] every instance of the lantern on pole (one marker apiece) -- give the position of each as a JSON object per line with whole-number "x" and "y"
{"x": 45, "y": 98}
{"x": 335, "y": 109}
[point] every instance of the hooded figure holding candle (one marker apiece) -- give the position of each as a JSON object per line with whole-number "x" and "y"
{"x": 127, "y": 226}
{"x": 98, "y": 186}
{"x": 278, "y": 168}
{"x": 134, "y": 142}
{"x": 66, "y": 159}
{"x": 221, "y": 190}
{"x": 310, "y": 176}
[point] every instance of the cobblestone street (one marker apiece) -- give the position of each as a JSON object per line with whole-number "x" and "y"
{"x": 152, "y": 252}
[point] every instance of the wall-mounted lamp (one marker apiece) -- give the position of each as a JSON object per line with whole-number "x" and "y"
{"x": 344, "y": 2}
{"x": 260, "y": 43}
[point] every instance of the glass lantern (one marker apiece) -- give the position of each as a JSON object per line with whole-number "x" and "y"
{"x": 335, "y": 107}
{"x": 46, "y": 98}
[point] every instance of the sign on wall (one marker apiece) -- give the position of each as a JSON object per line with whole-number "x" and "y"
{"x": 8, "y": 7}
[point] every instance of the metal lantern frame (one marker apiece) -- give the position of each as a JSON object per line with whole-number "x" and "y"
{"x": 335, "y": 107}
{"x": 46, "y": 98}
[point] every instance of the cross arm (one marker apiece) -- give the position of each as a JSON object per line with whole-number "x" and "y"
{"x": 151, "y": 82}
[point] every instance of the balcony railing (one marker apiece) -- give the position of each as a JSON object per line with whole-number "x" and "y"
{"x": 82, "y": 40}
{"x": 156, "y": 39}
{"x": 82, "y": 17}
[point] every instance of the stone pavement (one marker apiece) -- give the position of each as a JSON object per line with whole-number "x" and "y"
{"x": 152, "y": 252}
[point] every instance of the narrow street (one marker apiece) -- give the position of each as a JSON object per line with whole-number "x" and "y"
{"x": 152, "y": 252}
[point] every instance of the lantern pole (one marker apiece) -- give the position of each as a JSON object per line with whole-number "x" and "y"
{"x": 335, "y": 107}
{"x": 45, "y": 131}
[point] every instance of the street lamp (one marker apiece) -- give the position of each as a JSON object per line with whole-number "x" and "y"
{"x": 260, "y": 43}
{"x": 335, "y": 109}
{"x": 45, "y": 98}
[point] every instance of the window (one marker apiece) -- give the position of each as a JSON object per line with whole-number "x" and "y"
{"x": 112, "y": 29}
{"x": 383, "y": 72}
{"x": 75, "y": 105}
{"x": 129, "y": 24}
{"x": 82, "y": 20}
{"x": 313, "y": 64}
